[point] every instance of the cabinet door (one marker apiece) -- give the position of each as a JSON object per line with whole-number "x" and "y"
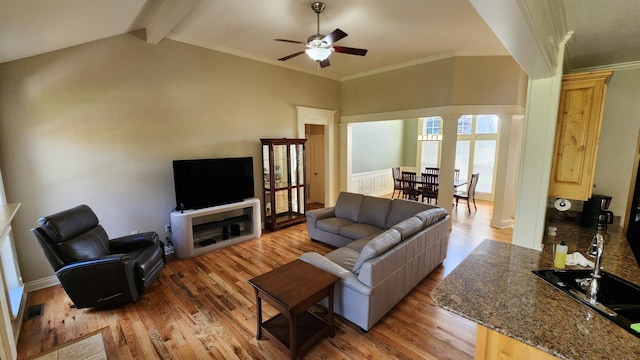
{"x": 577, "y": 135}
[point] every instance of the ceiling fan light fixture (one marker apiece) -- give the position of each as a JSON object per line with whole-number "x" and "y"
{"x": 319, "y": 53}
{"x": 319, "y": 47}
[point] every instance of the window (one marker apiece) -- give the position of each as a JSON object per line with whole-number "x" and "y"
{"x": 430, "y": 139}
{"x": 487, "y": 124}
{"x": 464, "y": 125}
{"x": 432, "y": 126}
{"x": 476, "y": 149}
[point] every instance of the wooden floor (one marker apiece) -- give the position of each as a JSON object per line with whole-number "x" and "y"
{"x": 204, "y": 308}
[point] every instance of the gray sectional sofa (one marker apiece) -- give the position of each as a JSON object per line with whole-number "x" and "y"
{"x": 384, "y": 249}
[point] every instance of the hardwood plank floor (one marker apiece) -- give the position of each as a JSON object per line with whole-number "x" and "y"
{"x": 204, "y": 308}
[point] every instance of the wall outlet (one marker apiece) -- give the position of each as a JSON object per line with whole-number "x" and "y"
{"x": 134, "y": 232}
{"x": 167, "y": 228}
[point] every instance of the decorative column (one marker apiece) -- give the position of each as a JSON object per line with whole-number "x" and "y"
{"x": 447, "y": 161}
{"x": 506, "y": 170}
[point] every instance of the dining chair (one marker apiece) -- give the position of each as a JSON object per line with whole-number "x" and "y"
{"x": 397, "y": 182}
{"x": 432, "y": 170}
{"x": 470, "y": 194}
{"x": 409, "y": 185}
{"x": 429, "y": 187}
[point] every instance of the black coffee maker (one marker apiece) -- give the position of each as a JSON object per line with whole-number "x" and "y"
{"x": 595, "y": 214}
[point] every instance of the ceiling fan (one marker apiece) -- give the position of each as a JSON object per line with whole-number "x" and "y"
{"x": 319, "y": 47}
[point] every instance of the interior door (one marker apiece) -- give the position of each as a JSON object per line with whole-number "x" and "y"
{"x": 315, "y": 163}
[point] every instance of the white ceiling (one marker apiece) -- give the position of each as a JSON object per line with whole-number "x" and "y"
{"x": 605, "y": 32}
{"x": 395, "y": 32}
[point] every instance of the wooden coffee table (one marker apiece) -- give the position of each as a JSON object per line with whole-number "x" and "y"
{"x": 292, "y": 289}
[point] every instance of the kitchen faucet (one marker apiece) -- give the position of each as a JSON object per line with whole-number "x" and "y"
{"x": 594, "y": 285}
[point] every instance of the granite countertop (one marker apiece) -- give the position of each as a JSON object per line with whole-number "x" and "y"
{"x": 494, "y": 287}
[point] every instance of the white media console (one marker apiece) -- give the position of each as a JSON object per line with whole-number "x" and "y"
{"x": 195, "y": 232}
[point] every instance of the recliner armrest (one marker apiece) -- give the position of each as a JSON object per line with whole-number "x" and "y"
{"x": 349, "y": 279}
{"x": 132, "y": 242}
{"x": 317, "y": 214}
{"x": 106, "y": 281}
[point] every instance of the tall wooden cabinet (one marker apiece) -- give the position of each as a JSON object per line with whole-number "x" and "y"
{"x": 285, "y": 191}
{"x": 580, "y": 112}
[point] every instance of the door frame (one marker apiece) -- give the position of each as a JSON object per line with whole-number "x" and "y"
{"x": 314, "y": 116}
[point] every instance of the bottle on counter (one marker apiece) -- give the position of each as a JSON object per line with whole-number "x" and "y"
{"x": 560, "y": 255}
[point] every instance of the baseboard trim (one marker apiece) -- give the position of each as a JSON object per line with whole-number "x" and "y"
{"x": 501, "y": 224}
{"x": 41, "y": 283}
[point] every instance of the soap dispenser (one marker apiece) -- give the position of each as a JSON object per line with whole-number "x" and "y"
{"x": 560, "y": 255}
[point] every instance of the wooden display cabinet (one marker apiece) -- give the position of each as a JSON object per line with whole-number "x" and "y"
{"x": 577, "y": 134}
{"x": 285, "y": 193}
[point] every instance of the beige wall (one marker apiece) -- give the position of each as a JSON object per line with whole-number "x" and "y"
{"x": 618, "y": 139}
{"x": 473, "y": 80}
{"x": 419, "y": 86}
{"x": 100, "y": 124}
{"x": 488, "y": 80}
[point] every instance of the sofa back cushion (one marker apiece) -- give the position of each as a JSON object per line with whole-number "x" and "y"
{"x": 430, "y": 216}
{"x": 348, "y": 206}
{"x": 374, "y": 211}
{"x": 408, "y": 227}
{"x": 403, "y": 209}
{"x": 377, "y": 246}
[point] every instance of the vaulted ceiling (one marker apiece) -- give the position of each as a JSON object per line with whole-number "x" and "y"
{"x": 396, "y": 33}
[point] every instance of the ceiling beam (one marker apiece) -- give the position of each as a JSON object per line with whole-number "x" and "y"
{"x": 167, "y": 17}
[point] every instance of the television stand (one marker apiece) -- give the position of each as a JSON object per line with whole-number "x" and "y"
{"x": 199, "y": 231}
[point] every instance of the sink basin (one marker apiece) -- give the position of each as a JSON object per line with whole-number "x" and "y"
{"x": 617, "y": 299}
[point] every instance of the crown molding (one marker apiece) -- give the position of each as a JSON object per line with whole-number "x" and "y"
{"x": 632, "y": 65}
{"x": 344, "y": 78}
{"x": 433, "y": 58}
{"x": 250, "y": 57}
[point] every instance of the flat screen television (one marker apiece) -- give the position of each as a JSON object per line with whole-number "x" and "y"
{"x": 202, "y": 183}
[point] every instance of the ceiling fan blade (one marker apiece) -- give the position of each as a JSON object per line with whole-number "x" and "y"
{"x": 350, "y": 50}
{"x": 291, "y": 56}
{"x": 336, "y": 35}
{"x": 290, "y": 41}
{"x": 324, "y": 63}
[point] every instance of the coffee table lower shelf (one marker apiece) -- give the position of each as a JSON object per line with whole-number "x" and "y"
{"x": 310, "y": 329}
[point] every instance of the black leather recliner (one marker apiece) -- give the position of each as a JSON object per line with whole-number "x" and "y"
{"x": 94, "y": 270}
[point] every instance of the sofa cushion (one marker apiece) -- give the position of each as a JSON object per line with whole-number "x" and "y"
{"x": 348, "y": 206}
{"x": 403, "y": 209}
{"x": 376, "y": 247}
{"x": 357, "y": 245}
{"x": 344, "y": 257}
{"x": 408, "y": 227}
{"x": 430, "y": 216}
{"x": 357, "y": 230}
{"x": 374, "y": 211}
{"x": 333, "y": 224}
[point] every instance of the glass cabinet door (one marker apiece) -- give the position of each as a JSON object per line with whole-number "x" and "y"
{"x": 284, "y": 182}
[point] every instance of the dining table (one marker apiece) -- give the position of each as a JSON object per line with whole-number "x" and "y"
{"x": 415, "y": 184}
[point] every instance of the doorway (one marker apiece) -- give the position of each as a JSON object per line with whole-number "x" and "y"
{"x": 315, "y": 164}
{"x": 325, "y": 119}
